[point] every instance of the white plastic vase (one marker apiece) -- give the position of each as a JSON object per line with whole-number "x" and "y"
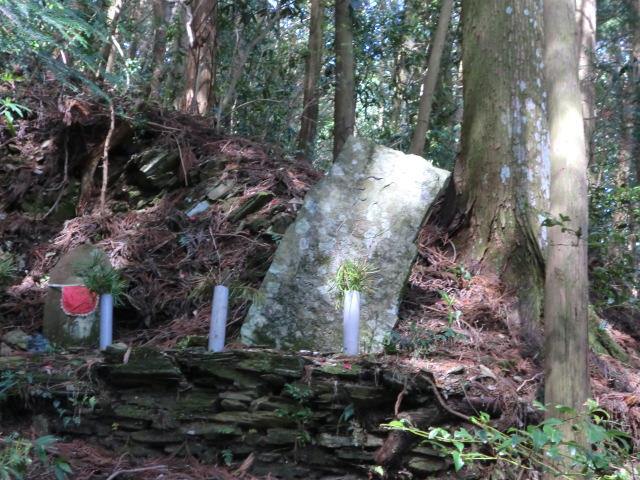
{"x": 218, "y": 326}
{"x": 351, "y": 322}
{"x": 106, "y": 320}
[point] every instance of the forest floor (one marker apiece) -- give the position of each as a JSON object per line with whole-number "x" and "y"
{"x": 189, "y": 208}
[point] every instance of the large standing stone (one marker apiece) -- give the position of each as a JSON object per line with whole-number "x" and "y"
{"x": 369, "y": 206}
{"x": 62, "y": 329}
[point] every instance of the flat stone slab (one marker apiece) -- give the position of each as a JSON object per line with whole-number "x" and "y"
{"x": 370, "y": 206}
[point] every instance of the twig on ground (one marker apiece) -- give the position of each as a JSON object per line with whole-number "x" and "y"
{"x": 136, "y": 470}
{"x": 529, "y": 380}
{"x": 443, "y": 404}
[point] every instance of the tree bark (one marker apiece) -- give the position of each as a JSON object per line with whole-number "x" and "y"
{"x": 586, "y": 30}
{"x": 173, "y": 70}
{"x": 636, "y": 93}
{"x": 135, "y": 15}
{"x": 161, "y": 17}
{"x": 309, "y": 119}
{"x": 625, "y": 95}
{"x": 119, "y": 134}
{"x": 635, "y": 176}
{"x": 240, "y": 58}
{"x": 400, "y": 73}
{"x": 566, "y": 287}
{"x": 199, "y": 74}
{"x": 430, "y": 79}
{"x": 501, "y": 177}
{"x": 344, "y": 115}
{"x": 113, "y": 17}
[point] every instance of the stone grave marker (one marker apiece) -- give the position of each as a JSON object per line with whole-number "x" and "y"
{"x": 58, "y": 327}
{"x": 370, "y": 206}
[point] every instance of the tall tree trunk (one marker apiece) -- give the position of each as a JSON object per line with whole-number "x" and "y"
{"x": 113, "y": 17}
{"x": 501, "y": 177}
{"x": 586, "y": 30}
{"x": 635, "y": 176}
{"x": 430, "y": 80}
{"x": 344, "y": 114}
{"x": 199, "y": 74}
{"x": 624, "y": 93}
{"x": 161, "y": 17}
{"x": 566, "y": 297}
{"x": 309, "y": 120}
{"x": 636, "y": 93}
{"x": 400, "y": 74}
{"x": 135, "y": 15}
{"x": 240, "y": 58}
{"x": 400, "y": 78}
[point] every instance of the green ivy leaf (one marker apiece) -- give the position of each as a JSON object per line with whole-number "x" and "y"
{"x": 458, "y": 463}
{"x": 596, "y": 433}
{"x": 538, "y": 438}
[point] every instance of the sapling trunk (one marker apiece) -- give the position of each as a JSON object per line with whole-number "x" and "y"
{"x": 218, "y": 325}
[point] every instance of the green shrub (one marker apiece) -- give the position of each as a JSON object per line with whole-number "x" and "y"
{"x": 7, "y": 268}
{"x": 607, "y": 455}
{"x": 352, "y": 276}
{"x": 100, "y": 277}
{"x": 17, "y": 454}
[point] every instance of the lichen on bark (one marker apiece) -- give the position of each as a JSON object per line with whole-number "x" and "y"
{"x": 501, "y": 178}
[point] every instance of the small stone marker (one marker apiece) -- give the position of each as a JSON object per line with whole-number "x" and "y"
{"x": 58, "y": 327}
{"x": 370, "y": 206}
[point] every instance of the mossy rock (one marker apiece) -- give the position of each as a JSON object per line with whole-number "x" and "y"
{"x": 218, "y": 370}
{"x": 232, "y": 405}
{"x": 271, "y": 362}
{"x": 251, "y": 205}
{"x": 121, "y": 426}
{"x": 244, "y": 397}
{"x": 210, "y": 430}
{"x": 254, "y": 419}
{"x": 148, "y": 398}
{"x": 368, "y": 394}
{"x": 155, "y": 437}
{"x": 196, "y": 405}
{"x": 355, "y": 454}
{"x": 115, "y": 353}
{"x": 134, "y": 412}
{"x": 600, "y": 341}
{"x": 272, "y": 403}
{"x": 426, "y": 465}
{"x": 353, "y": 371}
{"x": 281, "y": 436}
{"x": 146, "y": 366}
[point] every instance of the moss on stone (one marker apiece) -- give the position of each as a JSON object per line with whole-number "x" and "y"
{"x": 145, "y": 366}
{"x": 340, "y": 370}
{"x": 601, "y": 342}
{"x": 197, "y": 405}
{"x": 254, "y": 419}
{"x": 134, "y": 412}
{"x": 210, "y": 430}
{"x": 154, "y": 437}
{"x": 269, "y": 362}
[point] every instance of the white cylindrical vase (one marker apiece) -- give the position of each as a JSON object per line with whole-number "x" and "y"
{"x": 351, "y": 322}
{"x": 106, "y": 320}
{"x": 218, "y": 326}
